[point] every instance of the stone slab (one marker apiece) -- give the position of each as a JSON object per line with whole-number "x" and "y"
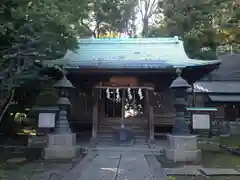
{"x": 155, "y": 167}
{"x": 198, "y": 167}
{"x": 76, "y": 172}
{"x": 177, "y": 155}
{"x": 133, "y": 166}
{"x": 182, "y": 148}
{"x": 62, "y": 139}
{"x": 219, "y": 172}
{"x": 208, "y": 146}
{"x": 60, "y": 152}
{"x": 188, "y": 142}
{"x": 187, "y": 171}
{"x": 102, "y": 167}
{"x": 16, "y": 160}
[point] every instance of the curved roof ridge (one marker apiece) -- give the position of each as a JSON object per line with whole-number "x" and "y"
{"x": 120, "y": 40}
{"x": 131, "y": 53}
{"x": 229, "y": 68}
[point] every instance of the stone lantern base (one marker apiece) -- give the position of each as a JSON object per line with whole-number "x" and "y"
{"x": 182, "y": 148}
{"x": 61, "y": 146}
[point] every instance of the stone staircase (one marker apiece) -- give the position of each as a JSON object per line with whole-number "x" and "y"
{"x": 106, "y": 131}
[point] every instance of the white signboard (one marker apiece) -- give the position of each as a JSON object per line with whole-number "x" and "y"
{"x": 46, "y": 120}
{"x": 201, "y": 121}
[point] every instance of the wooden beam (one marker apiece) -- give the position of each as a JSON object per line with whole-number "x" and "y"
{"x": 125, "y": 87}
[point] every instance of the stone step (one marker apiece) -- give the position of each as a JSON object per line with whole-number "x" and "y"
{"x": 138, "y": 137}
{"x": 114, "y": 128}
{"x": 111, "y": 135}
{"x": 138, "y": 122}
{"x": 126, "y": 126}
{"x": 135, "y": 133}
{"x": 109, "y": 131}
{"x": 143, "y": 149}
{"x": 137, "y": 140}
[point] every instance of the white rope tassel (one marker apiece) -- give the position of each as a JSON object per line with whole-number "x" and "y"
{"x": 108, "y": 93}
{"x": 118, "y": 98}
{"x": 129, "y": 94}
{"x": 140, "y": 93}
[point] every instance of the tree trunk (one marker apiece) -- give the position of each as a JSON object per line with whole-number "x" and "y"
{"x": 145, "y": 27}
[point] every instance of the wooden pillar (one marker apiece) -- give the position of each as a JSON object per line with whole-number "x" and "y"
{"x": 150, "y": 114}
{"x": 193, "y": 96}
{"x": 146, "y": 104}
{"x": 95, "y": 113}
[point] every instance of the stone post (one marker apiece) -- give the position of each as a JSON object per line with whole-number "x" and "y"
{"x": 62, "y": 143}
{"x": 182, "y": 146}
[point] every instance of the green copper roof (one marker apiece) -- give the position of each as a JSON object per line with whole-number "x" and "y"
{"x": 130, "y": 53}
{"x": 201, "y": 109}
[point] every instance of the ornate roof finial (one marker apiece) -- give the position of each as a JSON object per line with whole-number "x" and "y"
{"x": 179, "y": 82}
{"x": 64, "y": 72}
{"x": 176, "y": 38}
{"x": 178, "y": 72}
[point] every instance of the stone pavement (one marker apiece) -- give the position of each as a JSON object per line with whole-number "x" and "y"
{"x": 106, "y": 165}
{"x": 133, "y": 165}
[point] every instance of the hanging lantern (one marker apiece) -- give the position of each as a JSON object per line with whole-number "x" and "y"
{"x": 129, "y": 94}
{"x": 140, "y": 94}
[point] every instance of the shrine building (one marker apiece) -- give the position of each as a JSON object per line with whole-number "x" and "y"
{"x": 124, "y": 82}
{"x": 221, "y": 89}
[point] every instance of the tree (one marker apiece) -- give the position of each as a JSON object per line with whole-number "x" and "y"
{"x": 147, "y": 8}
{"x": 36, "y": 29}
{"x": 31, "y": 32}
{"x": 202, "y": 24}
{"x": 109, "y": 16}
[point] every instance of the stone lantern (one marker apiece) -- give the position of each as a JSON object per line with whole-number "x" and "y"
{"x": 180, "y": 86}
{"x": 62, "y": 143}
{"x": 62, "y": 124}
{"x": 182, "y": 146}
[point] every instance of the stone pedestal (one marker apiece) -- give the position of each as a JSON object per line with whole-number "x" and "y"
{"x": 182, "y": 148}
{"x": 61, "y": 146}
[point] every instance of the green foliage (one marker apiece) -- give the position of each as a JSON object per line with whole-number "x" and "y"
{"x": 34, "y": 30}
{"x": 47, "y": 97}
{"x": 204, "y": 25}
{"x": 109, "y": 16}
{"x": 20, "y": 117}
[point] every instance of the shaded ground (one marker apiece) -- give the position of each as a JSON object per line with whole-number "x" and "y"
{"x": 24, "y": 164}
{"x": 203, "y": 178}
{"x": 211, "y": 160}
{"x": 230, "y": 141}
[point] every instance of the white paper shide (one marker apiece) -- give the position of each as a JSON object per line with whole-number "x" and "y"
{"x": 201, "y": 121}
{"x": 46, "y": 120}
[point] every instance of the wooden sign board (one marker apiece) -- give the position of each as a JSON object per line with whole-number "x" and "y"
{"x": 123, "y": 81}
{"x": 201, "y": 121}
{"x": 46, "y": 120}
